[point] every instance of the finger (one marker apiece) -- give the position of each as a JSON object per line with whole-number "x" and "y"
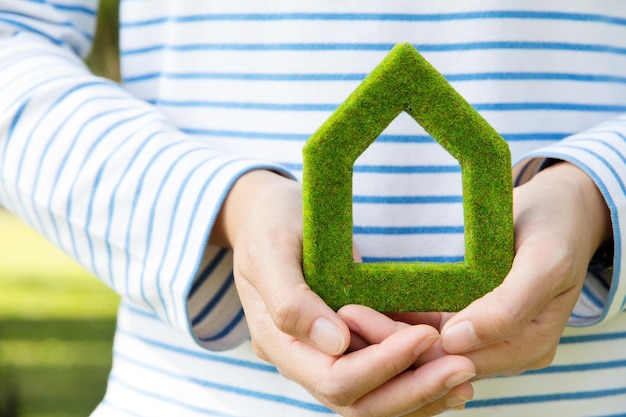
{"x": 343, "y": 380}
{"x": 435, "y": 319}
{"x": 356, "y": 254}
{"x": 454, "y": 400}
{"x": 375, "y": 326}
{"x": 372, "y": 326}
{"x": 530, "y": 285}
{"x": 349, "y": 384}
{"x": 425, "y": 391}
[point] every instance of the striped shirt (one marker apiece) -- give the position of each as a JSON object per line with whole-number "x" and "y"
{"x": 128, "y": 178}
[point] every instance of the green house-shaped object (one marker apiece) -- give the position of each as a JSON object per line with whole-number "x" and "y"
{"x": 405, "y": 81}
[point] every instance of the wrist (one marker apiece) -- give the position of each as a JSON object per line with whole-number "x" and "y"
{"x": 243, "y": 197}
{"x": 591, "y": 199}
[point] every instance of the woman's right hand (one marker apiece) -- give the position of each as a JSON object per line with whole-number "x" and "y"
{"x": 292, "y": 328}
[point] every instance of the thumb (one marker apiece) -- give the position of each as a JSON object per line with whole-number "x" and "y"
{"x": 268, "y": 269}
{"x": 505, "y": 311}
{"x": 274, "y": 279}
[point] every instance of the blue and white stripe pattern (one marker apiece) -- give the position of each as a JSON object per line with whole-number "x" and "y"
{"x": 128, "y": 180}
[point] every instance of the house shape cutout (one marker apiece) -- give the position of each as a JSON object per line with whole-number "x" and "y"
{"x": 405, "y": 81}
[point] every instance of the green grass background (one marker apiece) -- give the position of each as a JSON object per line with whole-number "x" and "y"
{"x": 56, "y": 320}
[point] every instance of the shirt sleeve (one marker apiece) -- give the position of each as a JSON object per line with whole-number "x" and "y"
{"x": 601, "y": 153}
{"x": 108, "y": 178}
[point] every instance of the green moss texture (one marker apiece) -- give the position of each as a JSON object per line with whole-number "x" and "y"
{"x": 405, "y": 81}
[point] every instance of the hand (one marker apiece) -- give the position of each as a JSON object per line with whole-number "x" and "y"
{"x": 292, "y": 328}
{"x": 560, "y": 221}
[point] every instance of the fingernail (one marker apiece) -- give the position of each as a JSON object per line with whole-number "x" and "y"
{"x": 460, "y": 338}
{"x": 327, "y": 336}
{"x": 458, "y": 379}
{"x": 456, "y": 402}
{"x": 425, "y": 344}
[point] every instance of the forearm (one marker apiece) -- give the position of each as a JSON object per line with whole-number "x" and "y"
{"x": 108, "y": 178}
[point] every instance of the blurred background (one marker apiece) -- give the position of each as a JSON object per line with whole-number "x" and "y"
{"x": 56, "y": 320}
